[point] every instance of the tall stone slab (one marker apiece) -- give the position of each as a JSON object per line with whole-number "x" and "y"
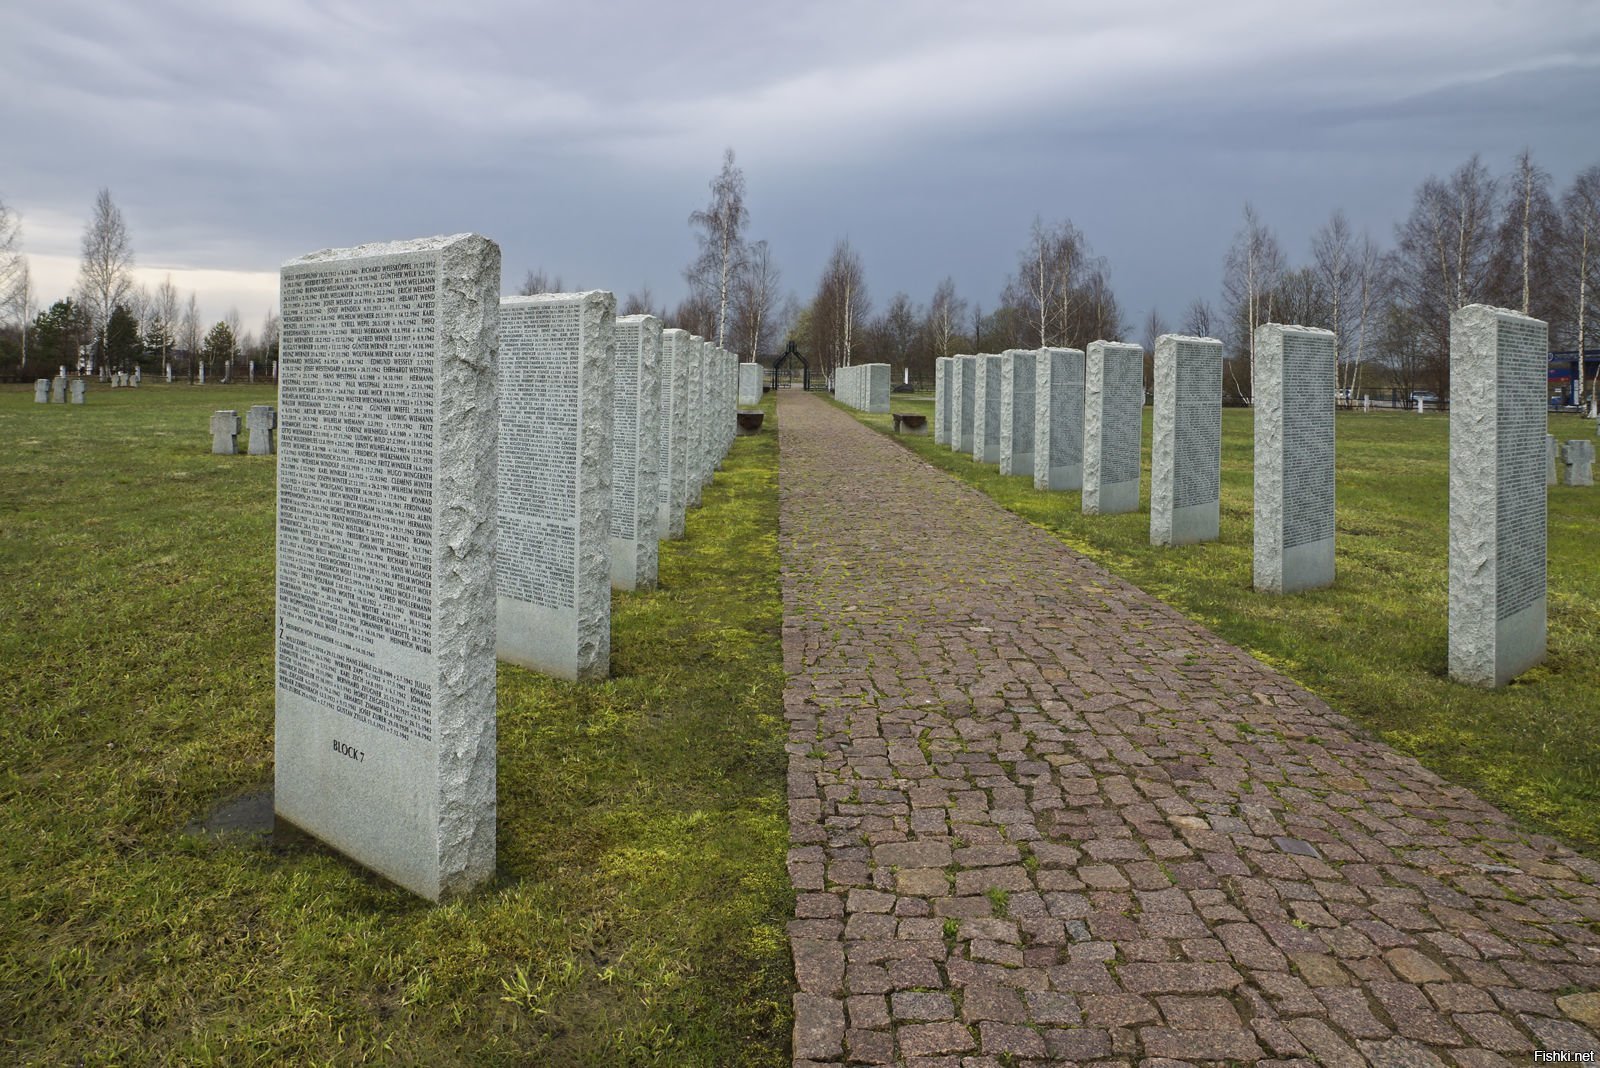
{"x": 1498, "y": 371}
{"x": 58, "y": 389}
{"x": 41, "y": 392}
{"x": 941, "y": 400}
{"x": 1113, "y": 426}
{"x": 1186, "y": 445}
{"x": 225, "y": 432}
{"x": 1292, "y": 383}
{"x": 76, "y": 390}
{"x": 635, "y": 453}
{"x": 963, "y": 402}
{"x": 986, "y": 410}
{"x": 262, "y": 421}
{"x": 672, "y": 496}
{"x": 1019, "y": 370}
{"x": 697, "y": 419}
{"x": 553, "y": 567}
{"x": 385, "y": 744}
{"x": 750, "y": 381}
{"x": 1058, "y": 420}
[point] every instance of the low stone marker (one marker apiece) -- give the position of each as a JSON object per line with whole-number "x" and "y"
{"x": 225, "y": 432}
{"x": 750, "y": 379}
{"x": 1366, "y": 403}
{"x": 1498, "y": 412}
{"x": 963, "y": 401}
{"x": 1186, "y": 444}
{"x": 553, "y": 567}
{"x": 1058, "y": 420}
{"x": 169, "y": 374}
{"x": 41, "y": 391}
{"x": 262, "y": 421}
{"x": 386, "y": 557}
{"x": 1577, "y": 458}
{"x": 76, "y": 390}
{"x": 1292, "y": 383}
{"x": 58, "y": 390}
{"x": 672, "y": 494}
{"x": 1018, "y": 375}
{"x": 1552, "y": 460}
{"x": 138, "y": 377}
{"x": 202, "y": 374}
{"x": 986, "y": 410}
{"x": 1113, "y": 424}
{"x": 635, "y": 452}
{"x": 941, "y": 400}
{"x": 116, "y": 380}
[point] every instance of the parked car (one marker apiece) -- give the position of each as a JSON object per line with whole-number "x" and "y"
{"x": 1425, "y": 396}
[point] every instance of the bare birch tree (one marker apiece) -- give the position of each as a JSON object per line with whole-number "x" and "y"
{"x": 841, "y": 307}
{"x": 721, "y": 238}
{"x": 189, "y": 335}
{"x": 944, "y": 316}
{"x": 166, "y": 310}
{"x": 537, "y": 281}
{"x": 1251, "y": 270}
{"x": 1581, "y": 208}
{"x": 755, "y": 298}
{"x": 1200, "y": 320}
{"x": 104, "y": 278}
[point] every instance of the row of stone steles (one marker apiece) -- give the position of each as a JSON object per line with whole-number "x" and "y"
{"x": 58, "y": 390}
{"x": 262, "y": 421}
{"x": 1569, "y": 463}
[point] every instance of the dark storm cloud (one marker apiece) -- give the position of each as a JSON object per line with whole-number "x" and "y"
{"x": 579, "y": 137}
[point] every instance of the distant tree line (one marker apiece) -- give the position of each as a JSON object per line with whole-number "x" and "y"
{"x": 110, "y": 324}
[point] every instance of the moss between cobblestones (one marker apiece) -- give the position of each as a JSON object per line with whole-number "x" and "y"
{"x": 1375, "y": 645}
{"x": 638, "y": 914}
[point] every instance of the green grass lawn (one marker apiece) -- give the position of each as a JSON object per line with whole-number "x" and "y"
{"x": 638, "y": 915}
{"x": 1375, "y": 644}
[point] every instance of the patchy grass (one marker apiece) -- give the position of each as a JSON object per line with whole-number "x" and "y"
{"x": 1375, "y": 645}
{"x": 639, "y": 908}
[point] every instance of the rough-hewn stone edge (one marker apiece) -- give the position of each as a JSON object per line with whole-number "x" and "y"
{"x": 648, "y": 473}
{"x": 941, "y": 400}
{"x": 596, "y": 383}
{"x": 467, "y": 429}
{"x": 1266, "y": 403}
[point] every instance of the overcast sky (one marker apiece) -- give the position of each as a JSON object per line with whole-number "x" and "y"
{"x": 237, "y": 135}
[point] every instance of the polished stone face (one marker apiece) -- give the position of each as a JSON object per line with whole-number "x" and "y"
{"x": 553, "y": 568}
{"x": 1113, "y": 406}
{"x": 635, "y": 452}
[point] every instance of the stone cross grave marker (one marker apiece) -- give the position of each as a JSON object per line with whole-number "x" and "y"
{"x": 386, "y": 534}
{"x": 1113, "y": 418}
{"x": 553, "y": 568}
{"x": 1498, "y": 410}
{"x": 1292, "y": 385}
{"x": 262, "y": 421}
{"x": 1186, "y": 445}
{"x": 225, "y": 432}
{"x": 1577, "y": 458}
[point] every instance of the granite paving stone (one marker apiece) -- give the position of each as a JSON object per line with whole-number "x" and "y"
{"x": 1038, "y": 816}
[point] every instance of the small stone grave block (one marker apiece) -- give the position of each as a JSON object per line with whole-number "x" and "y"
{"x": 1113, "y": 418}
{"x": 1292, "y": 384}
{"x": 553, "y": 566}
{"x": 41, "y": 391}
{"x": 386, "y": 557}
{"x": 76, "y": 390}
{"x": 1577, "y": 458}
{"x": 1186, "y": 445}
{"x": 58, "y": 390}
{"x": 1058, "y": 420}
{"x": 225, "y": 432}
{"x": 262, "y": 420}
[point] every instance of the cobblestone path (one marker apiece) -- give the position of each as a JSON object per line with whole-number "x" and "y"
{"x": 1037, "y": 816}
